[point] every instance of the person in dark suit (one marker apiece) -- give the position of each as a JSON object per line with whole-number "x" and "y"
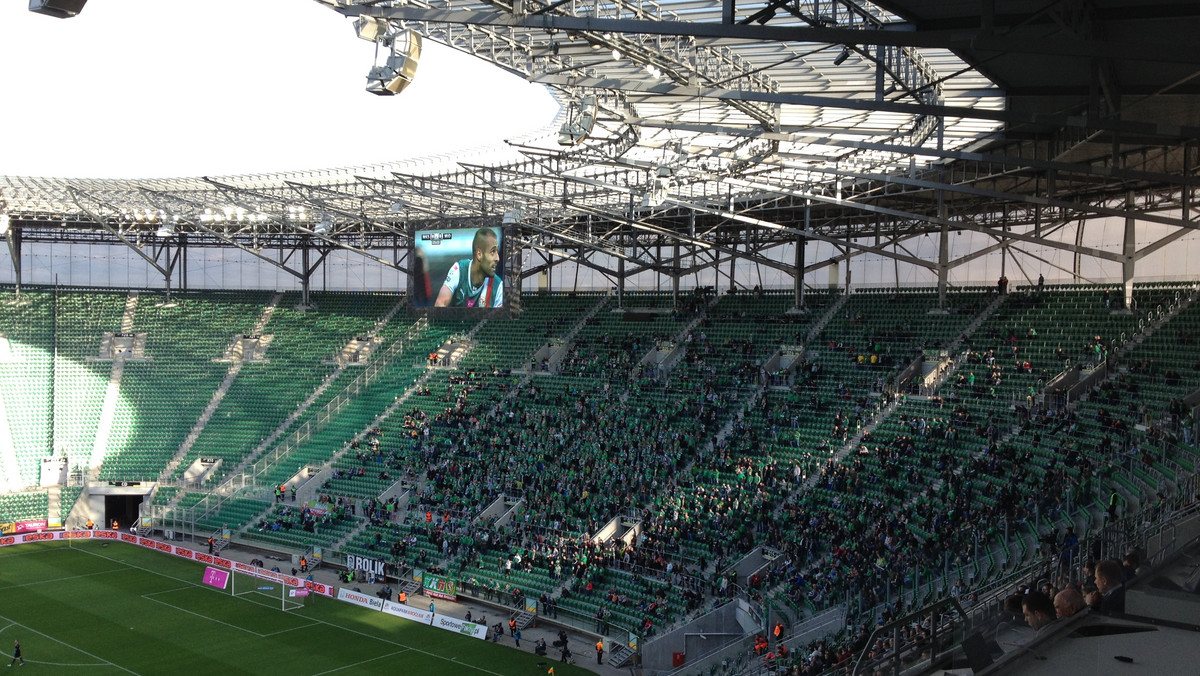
{"x": 1109, "y": 596}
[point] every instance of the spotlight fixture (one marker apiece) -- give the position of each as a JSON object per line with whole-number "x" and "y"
{"x": 841, "y": 58}
{"x": 166, "y": 230}
{"x": 657, "y": 194}
{"x": 581, "y": 119}
{"x": 324, "y": 226}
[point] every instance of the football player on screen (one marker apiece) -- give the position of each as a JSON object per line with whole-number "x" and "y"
{"x": 473, "y": 282}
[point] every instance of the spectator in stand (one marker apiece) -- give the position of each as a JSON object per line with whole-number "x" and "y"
{"x": 1038, "y": 610}
{"x": 1109, "y": 596}
{"x": 1068, "y": 602}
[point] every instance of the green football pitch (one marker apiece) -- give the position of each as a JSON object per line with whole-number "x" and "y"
{"x": 91, "y": 607}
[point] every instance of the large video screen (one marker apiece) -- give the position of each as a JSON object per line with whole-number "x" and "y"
{"x": 462, "y": 267}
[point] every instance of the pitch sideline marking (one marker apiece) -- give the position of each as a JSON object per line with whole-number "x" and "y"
{"x": 202, "y": 616}
{"x": 356, "y": 664}
{"x": 95, "y": 657}
{"x": 330, "y": 624}
{"x": 64, "y": 664}
{"x": 61, "y": 579}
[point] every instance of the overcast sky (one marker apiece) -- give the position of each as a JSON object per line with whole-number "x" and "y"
{"x": 164, "y": 88}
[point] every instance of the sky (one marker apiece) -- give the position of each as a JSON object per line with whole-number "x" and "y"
{"x": 175, "y": 88}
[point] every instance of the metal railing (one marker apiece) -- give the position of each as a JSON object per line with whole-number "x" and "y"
{"x": 319, "y": 420}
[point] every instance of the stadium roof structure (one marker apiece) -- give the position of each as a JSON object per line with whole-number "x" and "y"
{"x": 719, "y": 129}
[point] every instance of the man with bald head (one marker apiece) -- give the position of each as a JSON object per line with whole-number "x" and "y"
{"x": 1068, "y": 602}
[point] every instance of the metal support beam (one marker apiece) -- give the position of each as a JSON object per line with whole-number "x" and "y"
{"x": 306, "y": 277}
{"x": 891, "y": 34}
{"x": 675, "y": 277}
{"x": 183, "y": 267}
{"x": 100, "y": 220}
{"x": 1128, "y": 251}
{"x": 13, "y": 238}
{"x": 798, "y": 279}
{"x": 943, "y": 267}
{"x": 621, "y": 282}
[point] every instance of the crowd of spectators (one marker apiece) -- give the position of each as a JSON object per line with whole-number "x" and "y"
{"x": 710, "y": 468}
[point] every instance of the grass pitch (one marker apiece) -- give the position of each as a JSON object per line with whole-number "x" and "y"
{"x": 91, "y": 607}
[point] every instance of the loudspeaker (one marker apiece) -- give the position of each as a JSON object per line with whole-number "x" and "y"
{"x": 62, "y": 9}
{"x": 399, "y": 69}
{"x": 405, "y": 66}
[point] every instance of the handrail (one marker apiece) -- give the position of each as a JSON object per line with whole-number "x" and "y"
{"x": 335, "y": 405}
{"x": 948, "y": 607}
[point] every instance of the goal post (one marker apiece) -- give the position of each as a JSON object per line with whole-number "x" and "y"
{"x": 267, "y": 592}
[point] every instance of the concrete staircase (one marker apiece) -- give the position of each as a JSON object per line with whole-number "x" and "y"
{"x": 1156, "y": 322}
{"x": 832, "y": 312}
{"x": 976, "y": 323}
{"x": 219, "y": 395}
{"x": 112, "y": 394}
{"x": 363, "y": 379}
{"x": 570, "y": 335}
{"x": 54, "y": 513}
{"x": 108, "y": 411}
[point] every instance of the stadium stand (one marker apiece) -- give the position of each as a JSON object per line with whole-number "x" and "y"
{"x": 619, "y": 481}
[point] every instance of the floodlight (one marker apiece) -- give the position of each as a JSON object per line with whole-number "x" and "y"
{"x": 61, "y": 9}
{"x": 657, "y": 194}
{"x": 581, "y": 120}
{"x": 323, "y": 226}
{"x": 841, "y": 58}
{"x": 167, "y": 230}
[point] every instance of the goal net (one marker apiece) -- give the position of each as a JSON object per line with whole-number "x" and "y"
{"x": 271, "y": 593}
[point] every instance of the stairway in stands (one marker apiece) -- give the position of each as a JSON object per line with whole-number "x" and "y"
{"x": 112, "y": 395}
{"x": 569, "y": 336}
{"x": 219, "y": 395}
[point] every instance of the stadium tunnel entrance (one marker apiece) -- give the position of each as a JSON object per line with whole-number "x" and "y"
{"x": 123, "y": 509}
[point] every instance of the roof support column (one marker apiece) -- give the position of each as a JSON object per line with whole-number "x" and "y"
{"x": 1128, "y": 251}
{"x": 305, "y": 299}
{"x": 675, "y": 275}
{"x": 169, "y": 270}
{"x": 13, "y": 238}
{"x": 848, "y": 249}
{"x": 801, "y": 241}
{"x": 183, "y": 271}
{"x": 621, "y": 282}
{"x": 943, "y": 268}
{"x": 728, "y": 9}
{"x": 733, "y": 264}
